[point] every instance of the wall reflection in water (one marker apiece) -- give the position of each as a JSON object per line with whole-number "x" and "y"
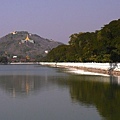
{"x": 21, "y": 85}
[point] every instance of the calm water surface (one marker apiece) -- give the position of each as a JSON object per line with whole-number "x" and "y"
{"x": 34, "y": 92}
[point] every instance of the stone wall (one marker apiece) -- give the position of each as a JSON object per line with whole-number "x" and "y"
{"x": 106, "y": 68}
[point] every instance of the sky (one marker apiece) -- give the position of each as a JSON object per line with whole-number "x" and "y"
{"x": 56, "y": 19}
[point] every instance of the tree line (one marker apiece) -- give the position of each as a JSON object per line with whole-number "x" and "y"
{"x": 100, "y": 46}
{"x": 3, "y": 60}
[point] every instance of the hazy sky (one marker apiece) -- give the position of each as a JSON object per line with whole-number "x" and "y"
{"x": 56, "y": 19}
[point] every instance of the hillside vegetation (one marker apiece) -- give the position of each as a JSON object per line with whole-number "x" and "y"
{"x": 99, "y": 46}
{"x": 12, "y": 45}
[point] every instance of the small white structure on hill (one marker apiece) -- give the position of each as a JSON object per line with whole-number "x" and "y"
{"x": 14, "y": 32}
{"x": 14, "y": 56}
{"x": 46, "y": 51}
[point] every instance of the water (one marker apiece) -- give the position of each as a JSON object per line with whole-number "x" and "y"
{"x": 34, "y": 92}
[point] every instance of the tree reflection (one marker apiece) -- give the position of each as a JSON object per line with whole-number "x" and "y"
{"x": 105, "y": 96}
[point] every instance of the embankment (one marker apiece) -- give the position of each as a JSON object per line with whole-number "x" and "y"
{"x": 105, "y": 68}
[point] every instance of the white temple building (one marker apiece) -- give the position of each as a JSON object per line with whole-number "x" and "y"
{"x": 27, "y": 40}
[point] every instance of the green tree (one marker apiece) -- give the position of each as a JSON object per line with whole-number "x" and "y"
{"x": 99, "y": 46}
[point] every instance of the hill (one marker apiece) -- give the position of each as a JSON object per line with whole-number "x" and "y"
{"x": 22, "y": 44}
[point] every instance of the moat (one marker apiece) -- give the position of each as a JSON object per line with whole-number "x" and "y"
{"x": 35, "y": 92}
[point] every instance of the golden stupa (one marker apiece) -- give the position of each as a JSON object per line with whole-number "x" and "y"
{"x": 27, "y": 40}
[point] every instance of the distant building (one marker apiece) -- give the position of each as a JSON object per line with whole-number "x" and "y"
{"x": 27, "y": 40}
{"x": 46, "y": 51}
{"x": 14, "y": 56}
{"x": 14, "y": 32}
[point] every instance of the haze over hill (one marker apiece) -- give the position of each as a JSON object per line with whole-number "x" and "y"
{"x": 22, "y": 43}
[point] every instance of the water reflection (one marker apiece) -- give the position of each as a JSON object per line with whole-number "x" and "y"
{"x": 18, "y": 84}
{"x": 24, "y": 85}
{"x": 85, "y": 90}
{"x": 105, "y": 96}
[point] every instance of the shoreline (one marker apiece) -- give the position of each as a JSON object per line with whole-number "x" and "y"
{"x": 96, "y": 70}
{"x": 99, "y": 71}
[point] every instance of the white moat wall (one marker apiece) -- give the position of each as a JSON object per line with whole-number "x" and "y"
{"x": 102, "y": 66}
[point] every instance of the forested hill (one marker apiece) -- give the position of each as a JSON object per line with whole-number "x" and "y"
{"x": 99, "y": 46}
{"x": 23, "y": 43}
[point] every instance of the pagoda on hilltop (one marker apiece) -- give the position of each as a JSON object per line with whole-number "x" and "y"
{"x": 27, "y": 40}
